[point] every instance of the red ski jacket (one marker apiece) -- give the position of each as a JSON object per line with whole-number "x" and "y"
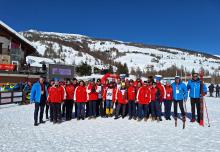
{"x": 144, "y": 95}
{"x": 169, "y": 93}
{"x": 56, "y": 94}
{"x": 80, "y": 94}
{"x": 92, "y": 92}
{"x": 162, "y": 91}
{"x": 69, "y": 92}
{"x": 132, "y": 93}
{"x": 121, "y": 95}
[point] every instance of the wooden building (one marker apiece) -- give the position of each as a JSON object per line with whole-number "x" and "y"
{"x": 13, "y": 48}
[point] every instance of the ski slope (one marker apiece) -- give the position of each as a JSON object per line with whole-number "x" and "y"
{"x": 17, "y": 133}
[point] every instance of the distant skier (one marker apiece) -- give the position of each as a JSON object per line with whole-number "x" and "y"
{"x": 195, "y": 93}
{"x": 39, "y": 96}
{"x": 180, "y": 93}
{"x": 217, "y": 90}
{"x": 211, "y": 89}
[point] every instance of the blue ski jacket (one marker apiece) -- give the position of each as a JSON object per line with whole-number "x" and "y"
{"x": 36, "y": 92}
{"x": 194, "y": 88}
{"x": 179, "y": 91}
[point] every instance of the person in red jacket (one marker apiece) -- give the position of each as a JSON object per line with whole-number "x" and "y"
{"x": 92, "y": 98}
{"x": 105, "y": 87}
{"x": 80, "y": 98}
{"x": 122, "y": 99}
{"x": 99, "y": 105}
{"x": 56, "y": 97}
{"x": 168, "y": 99}
{"x": 155, "y": 105}
{"x": 109, "y": 98}
{"x": 69, "y": 99}
{"x": 131, "y": 100}
{"x": 143, "y": 100}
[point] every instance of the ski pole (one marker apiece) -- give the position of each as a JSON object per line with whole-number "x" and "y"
{"x": 207, "y": 114}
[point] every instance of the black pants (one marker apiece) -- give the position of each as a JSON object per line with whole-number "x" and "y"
{"x": 195, "y": 103}
{"x": 92, "y": 108}
{"x": 63, "y": 109}
{"x": 38, "y": 106}
{"x": 118, "y": 108}
{"x": 98, "y": 107}
{"x": 87, "y": 109}
{"x": 56, "y": 112}
{"x": 75, "y": 109}
{"x": 217, "y": 93}
{"x": 47, "y": 110}
{"x": 69, "y": 109}
{"x": 180, "y": 102}
{"x": 51, "y": 111}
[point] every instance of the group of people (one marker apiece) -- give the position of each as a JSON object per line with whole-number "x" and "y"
{"x": 139, "y": 100}
{"x": 213, "y": 88}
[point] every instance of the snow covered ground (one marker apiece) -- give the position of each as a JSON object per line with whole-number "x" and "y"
{"x": 17, "y": 133}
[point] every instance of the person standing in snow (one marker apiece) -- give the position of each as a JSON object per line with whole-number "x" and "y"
{"x": 143, "y": 100}
{"x": 211, "y": 89}
{"x": 155, "y": 104}
{"x": 80, "y": 98}
{"x": 56, "y": 97}
{"x": 168, "y": 99}
{"x": 122, "y": 99}
{"x": 99, "y": 105}
{"x": 195, "y": 93}
{"x": 131, "y": 100}
{"x": 217, "y": 90}
{"x": 92, "y": 98}
{"x": 69, "y": 88}
{"x": 180, "y": 93}
{"x": 39, "y": 96}
{"x": 109, "y": 98}
{"x": 75, "y": 84}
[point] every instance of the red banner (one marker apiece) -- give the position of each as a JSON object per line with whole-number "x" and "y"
{"x": 9, "y": 67}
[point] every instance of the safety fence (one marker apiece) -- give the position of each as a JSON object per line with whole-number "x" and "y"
{"x": 9, "y": 97}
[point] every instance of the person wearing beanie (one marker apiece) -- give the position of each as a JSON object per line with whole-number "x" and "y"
{"x": 56, "y": 97}
{"x": 168, "y": 99}
{"x": 180, "y": 93}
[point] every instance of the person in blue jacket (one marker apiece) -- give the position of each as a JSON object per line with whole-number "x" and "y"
{"x": 180, "y": 94}
{"x": 39, "y": 95}
{"x": 194, "y": 93}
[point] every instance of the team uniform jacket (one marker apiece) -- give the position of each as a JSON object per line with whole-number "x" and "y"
{"x": 80, "y": 94}
{"x": 56, "y": 94}
{"x": 169, "y": 93}
{"x": 92, "y": 94}
{"x": 162, "y": 91}
{"x": 122, "y": 96}
{"x": 109, "y": 94}
{"x": 144, "y": 95}
{"x": 179, "y": 91}
{"x": 155, "y": 94}
{"x": 131, "y": 93}
{"x": 69, "y": 91}
{"x": 194, "y": 88}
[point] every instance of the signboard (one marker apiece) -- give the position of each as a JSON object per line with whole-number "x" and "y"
{"x": 17, "y": 94}
{"x": 6, "y": 95}
{"x": 60, "y": 71}
{"x": 9, "y": 67}
{"x": 6, "y": 100}
{"x": 10, "y": 97}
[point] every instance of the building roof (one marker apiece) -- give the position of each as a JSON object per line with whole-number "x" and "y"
{"x": 16, "y": 34}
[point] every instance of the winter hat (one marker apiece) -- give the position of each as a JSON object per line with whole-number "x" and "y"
{"x": 56, "y": 79}
{"x": 168, "y": 81}
{"x": 158, "y": 77}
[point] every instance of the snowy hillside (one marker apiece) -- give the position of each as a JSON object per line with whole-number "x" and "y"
{"x": 106, "y": 134}
{"x": 96, "y": 51}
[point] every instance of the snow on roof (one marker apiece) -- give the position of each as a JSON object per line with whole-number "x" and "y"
{"x": 16, "y": 33}
{"x": 38, "y": 61}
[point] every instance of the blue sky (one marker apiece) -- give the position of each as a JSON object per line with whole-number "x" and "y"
{"x": 191, "y": 24}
